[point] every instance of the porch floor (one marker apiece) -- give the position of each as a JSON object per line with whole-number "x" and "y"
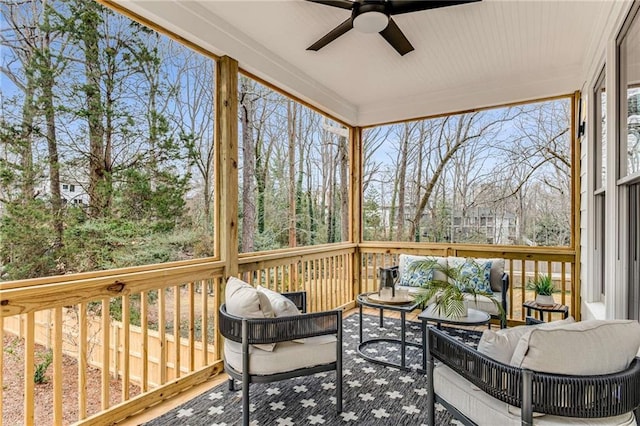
{"x": 193, "y": 392}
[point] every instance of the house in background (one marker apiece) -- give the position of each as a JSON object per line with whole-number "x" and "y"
{"x": 73, "y": 193}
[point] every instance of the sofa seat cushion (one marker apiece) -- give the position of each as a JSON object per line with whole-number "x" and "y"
{"x": 287, "y": 356}
{"x": 483, "y": 409}
{"x": 603, "y": 347}
{"x": 483, "y": 303}
{"x": 501, "y": 344}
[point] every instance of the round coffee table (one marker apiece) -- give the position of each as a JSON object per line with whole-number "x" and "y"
{"x": 474, "y": 317}
{"x": 403, "y": 308}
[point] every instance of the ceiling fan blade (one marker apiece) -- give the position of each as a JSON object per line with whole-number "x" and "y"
{"x": 332, "y": 35}
{"x": 394, "y": 36}
{"x": 343, "y": 4}
{"x": 396, "y": 7}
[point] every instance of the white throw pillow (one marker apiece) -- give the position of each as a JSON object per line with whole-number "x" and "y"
{"x": 583, "y": 348}
{"x": 282, "y": 306}
{"x": 501, "y": 344}
{"x": 242, "y": 300}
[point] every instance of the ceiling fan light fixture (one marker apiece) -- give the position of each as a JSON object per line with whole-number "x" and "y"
{"x": 371, "y": 22}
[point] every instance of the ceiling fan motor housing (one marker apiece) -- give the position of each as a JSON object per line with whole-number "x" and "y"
{"x": 370, "y": 17}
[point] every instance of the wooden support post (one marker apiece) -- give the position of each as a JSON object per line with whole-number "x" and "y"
{"x": 227, "y": 170}
{"x": 226, "y": 138}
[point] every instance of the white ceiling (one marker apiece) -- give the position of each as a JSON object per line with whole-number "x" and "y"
{"x": 465, "y": 56}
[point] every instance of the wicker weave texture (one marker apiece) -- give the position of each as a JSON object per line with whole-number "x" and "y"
{"x": 569, "y": 396}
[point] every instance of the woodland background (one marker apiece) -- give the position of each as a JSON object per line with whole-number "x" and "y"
{"x": 106, "y": 157}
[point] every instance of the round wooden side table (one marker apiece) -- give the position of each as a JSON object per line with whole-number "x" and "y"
{"x": 530, "y": 305}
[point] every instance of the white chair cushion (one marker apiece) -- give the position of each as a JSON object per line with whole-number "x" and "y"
{"x": 244, "y": 301}
{"x": 501, "y": 344}
{"x": 582, "y": 348}
{"x": 287, "y": 356}
{"x": 497, "y": 270}
{"x": 483, "y": 409}
{"x": 483, "y": 303}
{"x": 282, "y": 307}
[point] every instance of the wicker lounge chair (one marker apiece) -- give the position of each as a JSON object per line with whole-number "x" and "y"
{"x": 308, "y": 355}
{"x": 550, "y": 398}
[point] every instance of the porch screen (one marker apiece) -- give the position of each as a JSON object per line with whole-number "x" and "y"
{"x": 497, "y": 176}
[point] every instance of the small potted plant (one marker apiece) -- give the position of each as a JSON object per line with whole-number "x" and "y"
{"x": 544, "y": 289}
{"x": 448, "y": 294}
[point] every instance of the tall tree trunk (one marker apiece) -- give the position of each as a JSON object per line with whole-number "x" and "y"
{"x": 291, "y": 156}
{"x": 47, "y": 82}
{"x": 343, "y": 160}
{"x": 26, "y": 137}
{"x": 462, "y": 135}
{"x": 261, "y": 186}
{"x": 402, "y": 178}
{"x": 416, "y": 235}
{"x": 98, "y": 184}
{"x": 301, "y": 222}
{"x": 248, "y": 168}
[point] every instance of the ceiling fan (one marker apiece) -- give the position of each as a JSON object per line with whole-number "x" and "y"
{"x": 374, "y": 16}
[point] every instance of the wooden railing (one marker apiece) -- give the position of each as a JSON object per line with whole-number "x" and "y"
{"x": 121, "y": 366}
{"x": 158, "y": 339}
{"x": 521, "y": 263}
{"x": 325, "y": 272}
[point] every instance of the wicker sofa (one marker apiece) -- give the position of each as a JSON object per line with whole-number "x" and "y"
{"x": 498, "y": 279}
{"x": 581, "y": 373}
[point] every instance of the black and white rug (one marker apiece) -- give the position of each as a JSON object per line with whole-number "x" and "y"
{"x": 372, "y": 394}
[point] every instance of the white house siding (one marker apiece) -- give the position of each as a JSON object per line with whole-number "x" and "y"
{"x": 603, "y": 53}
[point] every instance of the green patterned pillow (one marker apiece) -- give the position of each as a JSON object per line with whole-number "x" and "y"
{"x": 415, "y": 277}
{"x": 476, "y": 274}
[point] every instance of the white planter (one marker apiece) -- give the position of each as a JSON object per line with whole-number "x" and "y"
{"x": 466, "y": 309}
{"x": 544, "y": 300}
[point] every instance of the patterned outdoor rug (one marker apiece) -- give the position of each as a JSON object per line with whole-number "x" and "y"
{"x": 372, "y": 394}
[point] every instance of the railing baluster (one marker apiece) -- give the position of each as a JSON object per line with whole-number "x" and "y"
{"x": 82, "y": 361}
{"x": 523, "y": 283}
{"x": 205, "y": 321}
{"x": 563, "y": 282}
{"x": 511, "y": 276}
{"x": 176, "y": 330}
{"x": 57, "y": 366}
{"x": 144, "y": 335}
{"x": 105, "y": 377}
{"x": 268, "y": 283}
{"x": 325, "y": 285}
{"x": 126, "y": 346}
{"x": 192, "y": 326}
{"x": 29, "y": 348}
{"x": 312, "y": 291}
{"x": 331, "y": 262}
{"x": 162, "y": 336}
{"x": 374, "y": 273}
